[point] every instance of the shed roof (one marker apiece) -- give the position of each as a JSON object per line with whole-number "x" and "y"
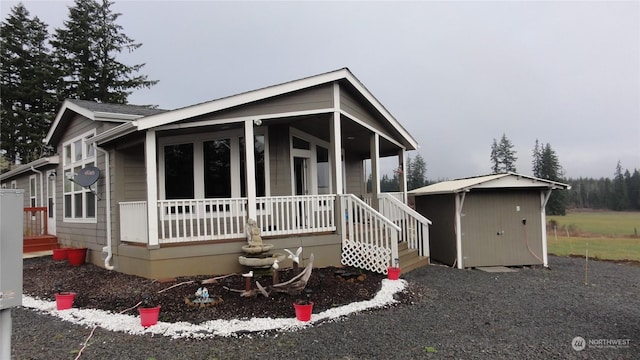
{"x": 493, "y": 181}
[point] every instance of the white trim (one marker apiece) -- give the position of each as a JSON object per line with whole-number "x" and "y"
{"x": 459, "y": 204}
{"x": 150, "y": 150}
{"x": 335, "y": 151}
{"x": 242, "y": 119}
{"x": 14, "y": 184}
{"x": 371, "y": 128}
{"x": 33, "y": 193}
{"x": 51, "y": 194}
{"x": 311, "y": 155}
{"x": 250, "y": 169}
{"x": 67, "y": 105}
{"x": 68, "y": 167}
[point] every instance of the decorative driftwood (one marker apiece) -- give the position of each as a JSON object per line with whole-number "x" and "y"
{"x": 291, "y": 287}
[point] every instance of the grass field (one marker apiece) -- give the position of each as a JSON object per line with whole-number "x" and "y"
{"x": 607, "y": 235}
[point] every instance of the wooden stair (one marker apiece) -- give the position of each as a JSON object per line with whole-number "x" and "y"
{"x": 39, "y": 243}
{"x": 410, "y": 259}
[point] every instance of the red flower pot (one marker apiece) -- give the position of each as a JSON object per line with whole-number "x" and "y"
{"x": 64, "y": 300}
{"x": 303, "y": 311}
{"x": 60, "y": 254}
{"x": 393, "y": 273}
{"x": 149, "y": 316}
{"x": 77, "y": 256}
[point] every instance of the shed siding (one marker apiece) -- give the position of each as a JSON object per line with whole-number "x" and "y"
{"x": 441, "y": 210}
{"x": 493, "y": 232}
{"x": 319, "y": 97}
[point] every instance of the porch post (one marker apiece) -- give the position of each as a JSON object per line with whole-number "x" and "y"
{"x": 402, "y": 175}
{"x": 336, "y": 142}
{"x": 150, "y": 157}
{"x": 374, "y": 150}
{"x": 250, "y": 170}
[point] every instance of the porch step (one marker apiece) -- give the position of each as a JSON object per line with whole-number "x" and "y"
{"x": 40, "y": 243}
{"x": 410, "y": 259}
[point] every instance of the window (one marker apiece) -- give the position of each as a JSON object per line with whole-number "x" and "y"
{"x": 32, "y": 191}
{"x": 79, "y": 203}
{"x": 324, "y": 170}
{"x": 258, "y": 152}
{"x": 209, "y": 166}
{"x": 178, "y": 175}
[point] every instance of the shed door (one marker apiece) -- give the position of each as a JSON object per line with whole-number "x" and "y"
{"x": 493, "y": 232}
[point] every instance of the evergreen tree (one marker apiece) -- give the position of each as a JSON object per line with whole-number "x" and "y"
{"x": 85, "y": 51}
{"x": 28, "y": 103}
{"x": 547, "y": 166}
{"x": 503, "y": 157}
{"x": 416, "y": 172}
{"x": 619, "y": 198}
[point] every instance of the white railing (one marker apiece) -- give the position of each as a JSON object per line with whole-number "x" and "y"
{"x": 369, "y": 240}
{"x": 133, "y": 221}
{"x": 415, "y": 227}
{"x": 219, "y": 219}
{"x": 201, "y": 219}
{"x": 284, "y": 215}
{"x": 368, "y": 196}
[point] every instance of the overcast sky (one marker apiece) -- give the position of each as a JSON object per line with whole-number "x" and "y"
{"x": 455, "y": 74}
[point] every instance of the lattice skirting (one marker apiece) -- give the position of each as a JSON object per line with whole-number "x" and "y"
{"x": 365, "y": 256}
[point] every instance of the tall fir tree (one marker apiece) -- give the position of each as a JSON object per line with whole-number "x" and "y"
{"x": 619, "y": 191}
{"x": 546, "y": 165}
{"x": 416, "y": 172}
{"x": 28, "y": 100}
{"x": 503, "y": 156}
{"x": 85, "y": 51}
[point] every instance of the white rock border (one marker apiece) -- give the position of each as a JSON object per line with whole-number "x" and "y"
{"x": 131, "y": 324}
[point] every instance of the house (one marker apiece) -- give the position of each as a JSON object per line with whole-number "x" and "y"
{"x": 492, "y": 220}
{"x": 176, "y": 188}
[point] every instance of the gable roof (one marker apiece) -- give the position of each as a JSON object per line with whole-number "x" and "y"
{"x": 228, "y": 102}
{"x": 42, "y": 162}
{"x": 97, "y": 112}
{"x": 494, "y": 181}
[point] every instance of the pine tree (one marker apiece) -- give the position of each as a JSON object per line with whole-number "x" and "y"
{"x": 546, "y": 165}
{"x": 619, "y": 191}
{"x": 503, "y": 157}
{"x": 85, "y": 51}
{"x": 28, "y": 103}
{"x": 416, "y": 172}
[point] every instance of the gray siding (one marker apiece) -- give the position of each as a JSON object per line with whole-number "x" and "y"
{"x": 319, "y": 97}
{"x": 493, "y": 232}
{"x": 355, "y": 183}
{"x": 353, "y": 107}
{"x": 279, "y": 160}
{"x": 90, "y": 235}
{"x": 441, "y": 210}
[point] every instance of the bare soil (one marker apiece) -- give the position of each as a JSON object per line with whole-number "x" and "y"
{"x": 99, "y": 288}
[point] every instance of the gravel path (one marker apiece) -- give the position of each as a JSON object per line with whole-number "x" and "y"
{"x": 465, "y": 314}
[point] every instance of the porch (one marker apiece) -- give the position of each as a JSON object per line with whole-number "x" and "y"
{"x": 35, "y": 233}
{"x": 370, "y": 239}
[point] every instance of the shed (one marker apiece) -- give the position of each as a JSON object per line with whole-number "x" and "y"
{"x": 491, "y": 220}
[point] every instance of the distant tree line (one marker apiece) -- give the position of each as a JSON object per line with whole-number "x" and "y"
{"x": 620, "y": 193}
{"x": 39, "y": 70}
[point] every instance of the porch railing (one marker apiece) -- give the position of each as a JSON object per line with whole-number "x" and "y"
{"x": 35, "y": 222}
{"x": 283, "y": 215}
{"x": 219, "y": 219}
{"x": 369, "y": 240}
{"x": 415, "y": 227}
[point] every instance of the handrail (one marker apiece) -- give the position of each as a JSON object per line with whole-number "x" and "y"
{"x": 35, "y": 221}
{"x": 415, "y": 226}
{"x": 372, "y": 241}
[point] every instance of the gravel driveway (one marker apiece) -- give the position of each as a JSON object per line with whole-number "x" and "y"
{"x": 465, "y": 314}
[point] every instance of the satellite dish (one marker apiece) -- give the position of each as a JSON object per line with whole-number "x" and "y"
{"x": 87, "y": 176}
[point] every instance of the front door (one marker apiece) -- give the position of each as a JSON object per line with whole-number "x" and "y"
{"x": 51, "y": 202}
